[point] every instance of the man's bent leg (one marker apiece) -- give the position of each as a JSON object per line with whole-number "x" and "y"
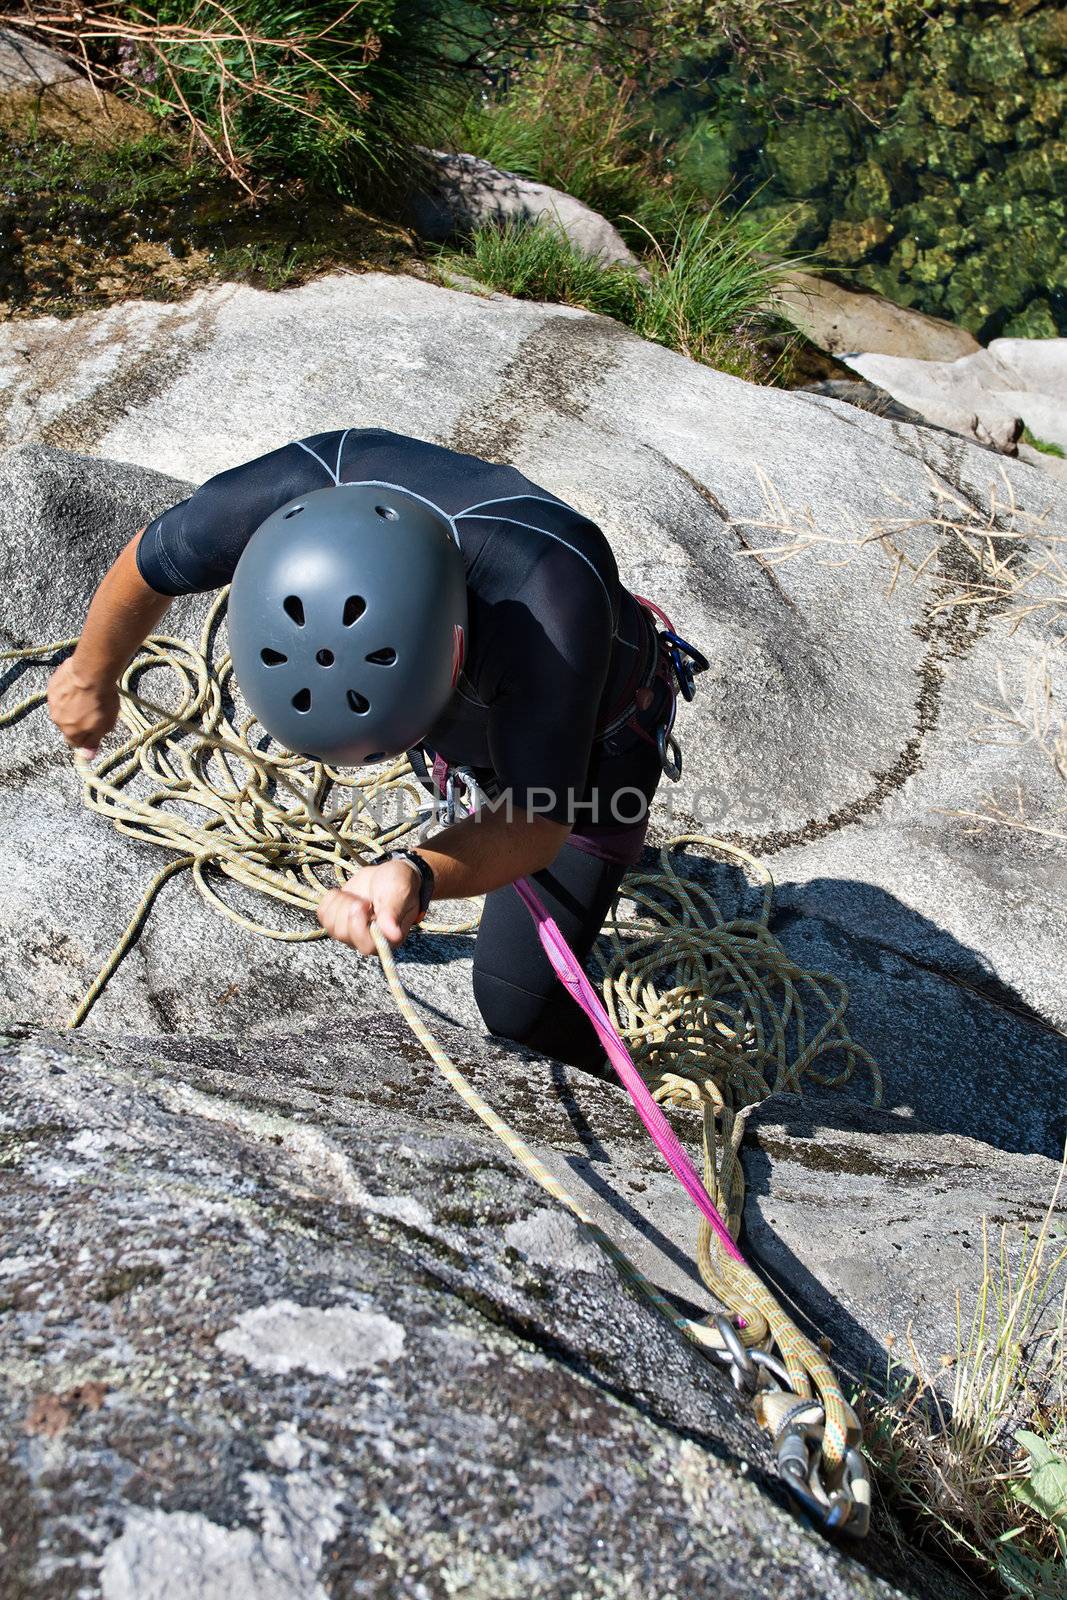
{"x": 517, "y": 992}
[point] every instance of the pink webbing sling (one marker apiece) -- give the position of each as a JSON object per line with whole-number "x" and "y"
{"x": 568, "y": 969}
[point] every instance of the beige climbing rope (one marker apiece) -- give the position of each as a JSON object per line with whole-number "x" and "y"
{"x": 715, "y": 1014}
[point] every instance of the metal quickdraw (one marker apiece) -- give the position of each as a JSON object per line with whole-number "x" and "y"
{"x": 796, "y": 1426}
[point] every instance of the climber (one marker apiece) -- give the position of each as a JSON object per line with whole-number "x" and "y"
{"x": 390, "y": 594}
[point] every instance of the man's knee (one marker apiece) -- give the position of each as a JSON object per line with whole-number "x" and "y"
{"x": 508, "y": 1011}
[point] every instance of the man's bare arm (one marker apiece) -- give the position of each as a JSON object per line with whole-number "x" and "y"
{"x": 470, "y": 858}
{"x": 82, "y": 692}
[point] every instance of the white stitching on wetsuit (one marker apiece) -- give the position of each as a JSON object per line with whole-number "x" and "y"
{"x": 545, "y": 500}
{"x": 340, "y": 447}
{"x": 302, "y": 446}
{"x": 548, "y": 535}
{"x": 507, "y": 499}
{"x": 380, "y": 483}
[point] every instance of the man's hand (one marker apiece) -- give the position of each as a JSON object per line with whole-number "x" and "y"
{"x": 82, "y": 709}
{"x": 83, "y": 695}
{"x": 387, "y": 894}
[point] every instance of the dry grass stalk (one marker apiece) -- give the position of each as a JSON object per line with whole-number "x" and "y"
{"x": 90, "y": 31}
{"x": 953, "y": 1463}
{"x": 994, "y": 557}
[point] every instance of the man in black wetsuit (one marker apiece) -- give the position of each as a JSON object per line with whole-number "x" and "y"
{"x": 563, "y": 691}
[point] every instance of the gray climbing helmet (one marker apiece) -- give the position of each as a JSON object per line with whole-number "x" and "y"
{"x": 347, "y": 620}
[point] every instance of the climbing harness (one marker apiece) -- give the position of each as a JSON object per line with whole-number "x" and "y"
{"x": 698, "y": 1010}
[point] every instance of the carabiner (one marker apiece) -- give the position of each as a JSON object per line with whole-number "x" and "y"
{"x": 670, "y": 754}
{"x": 686, "y": 661}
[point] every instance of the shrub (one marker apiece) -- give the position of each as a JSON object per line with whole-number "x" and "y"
{"x": 336, "y": 93}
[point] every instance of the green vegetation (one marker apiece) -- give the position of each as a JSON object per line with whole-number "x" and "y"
{"x": 704, "y": 291}
{"x": 83, "y": 224}
{"x": 919, "y": 147}
{"x": 540, "y": 263}
{"x": 1044, "y": 445}
{"x": 984, "y": 1475}
{"x": 567, "y": 124}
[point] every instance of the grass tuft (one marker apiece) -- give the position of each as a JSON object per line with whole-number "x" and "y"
{"x": 705, "y": 291}
{"x": 984, "y": 1475}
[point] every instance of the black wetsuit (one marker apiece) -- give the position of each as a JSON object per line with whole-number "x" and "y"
{"x": 557, "y": 650}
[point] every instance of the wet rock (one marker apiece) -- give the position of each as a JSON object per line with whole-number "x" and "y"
{"x": 951, "y": 107}
{"x": 792, "y": 224}
{"x": 808, "y": 154}
{"x": 464, "y": 193}
{"x": 852, "y": 241}
{"x": 1044, "y": 39}
{"x": 870, "y": 194}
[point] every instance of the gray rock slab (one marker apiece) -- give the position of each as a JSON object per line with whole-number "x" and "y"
{"x": 849, "y": 1207}
{"x": 838, "y": 1215}
{"x": 833, "y": 737}
{"x": 230, "y": 1365}
{"x": 463, "y": 193}
{"x": 838, "y": 725}
{"x": 989, "y": 394}
{"x": 842, "y": 321}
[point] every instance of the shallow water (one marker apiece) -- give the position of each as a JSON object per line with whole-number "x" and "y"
{"x": 944, "y": 186}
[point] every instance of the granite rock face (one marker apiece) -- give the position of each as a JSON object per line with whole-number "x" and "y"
{"x": 27, "y": 64}
{"x": 264, "y": 1281}
{"x": 241, "y": 1358}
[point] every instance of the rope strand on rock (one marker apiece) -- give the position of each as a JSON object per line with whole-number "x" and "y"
{"x": 714, "y": 1012}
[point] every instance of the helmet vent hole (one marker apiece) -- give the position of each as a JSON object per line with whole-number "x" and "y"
{"x": 294, "y": 608}
{"x": 272, "y": 658}
{"x": 295, "y": 512}
{"x": 358, "y": 702}
{"x": 375, "y": 755}
{"x": 324, "y": 658}
{"x": 382, "y": 658}
{"x": 390, "y": 513}
{"x": 302, "y": 700}
{"x": 355, "y": 606}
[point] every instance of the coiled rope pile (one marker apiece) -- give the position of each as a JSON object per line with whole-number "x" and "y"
{"x": 715, "y": 1014}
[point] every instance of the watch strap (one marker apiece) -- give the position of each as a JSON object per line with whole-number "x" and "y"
{"x": 425, "y": 872}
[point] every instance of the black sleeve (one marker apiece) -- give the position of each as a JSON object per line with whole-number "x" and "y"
{"x": 555, "y": 641}
{"x": 195, "y": 545}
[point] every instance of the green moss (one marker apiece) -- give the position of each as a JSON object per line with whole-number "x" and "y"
{"x": 1034, "y": 322}
{"x": 958, "y": 147}
{"x": 810, "y": 154}
{"x": 1044, "y": 445}
{"x": 82, "y": 225}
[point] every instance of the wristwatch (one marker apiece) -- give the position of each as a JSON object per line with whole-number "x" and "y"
{"x": 425, "y": 872}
